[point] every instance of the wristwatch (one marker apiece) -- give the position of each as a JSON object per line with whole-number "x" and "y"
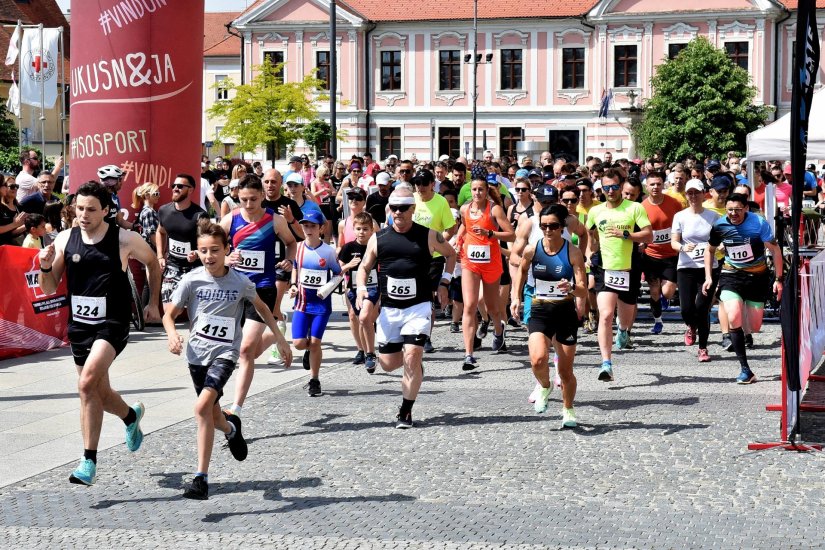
{"x": 445, "y": 285}
{"x": 490, "y": 233}
{"x": 626, "y": 234}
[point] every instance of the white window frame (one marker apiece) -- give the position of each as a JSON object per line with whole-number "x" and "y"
{"x": 624, "y": 36}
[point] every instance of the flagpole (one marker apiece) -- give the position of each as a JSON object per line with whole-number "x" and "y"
{"x": 42, "y": 98}
{"x": 19, "y": 92}
{"x": 62, "y": 84}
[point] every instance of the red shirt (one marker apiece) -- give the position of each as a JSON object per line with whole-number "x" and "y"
{"x": 661, "y": 221}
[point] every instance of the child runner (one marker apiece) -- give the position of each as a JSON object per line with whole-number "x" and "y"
{"x": 214, "y": 295}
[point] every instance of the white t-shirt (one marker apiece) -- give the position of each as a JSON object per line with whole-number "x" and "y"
{"x": 28, "y": 185}
{"x": 695, "y": 229}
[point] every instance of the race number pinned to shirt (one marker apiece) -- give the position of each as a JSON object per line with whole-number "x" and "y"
{"x": 740, "y": 253}
{"x": 617, "y": 280}
{"x": 314, "y": 278}
{"x": 401, "y": 289}
{"x": 179, "y": 249}
{"x": 251, "y": 261}
{"x": 478, "y": 253}
{"x": 90, "y": 310}
{"x": 698, "y": 252}
{"x": 373, "y": 278}
{"x": 549, "y": 290}
{"x": 661, "y": 236}
{"x": 216, "y": 328}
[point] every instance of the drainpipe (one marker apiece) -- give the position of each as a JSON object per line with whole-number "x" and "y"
{"x": 367, "y": 90}
{"x": 776, "y": 59}
{"x": 243, "y": 49}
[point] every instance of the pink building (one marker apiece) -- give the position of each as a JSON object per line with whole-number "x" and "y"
{"x": 405, "y": 88}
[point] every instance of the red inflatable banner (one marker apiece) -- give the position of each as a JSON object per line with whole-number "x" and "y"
{"x": 136, "y": 91}
{"x": 30, "y": 321}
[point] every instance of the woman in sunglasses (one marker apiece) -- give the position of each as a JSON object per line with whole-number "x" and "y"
{"x": 144, "y": 199}
{"x": 558, "y": 270}
{"x": 12, "y": 219}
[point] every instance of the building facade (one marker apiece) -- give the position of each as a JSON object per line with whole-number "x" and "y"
{"x": 406, "y": 74}
{"x": 221, "y": 61}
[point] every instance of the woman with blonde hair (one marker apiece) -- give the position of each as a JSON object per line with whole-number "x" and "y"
{"x": 323, "y": 193}
{"x": 145, "y": 197}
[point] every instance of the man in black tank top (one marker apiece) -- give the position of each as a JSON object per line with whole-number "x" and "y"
{"x": 94, "y": 257}
{"x": 400, "y": 251}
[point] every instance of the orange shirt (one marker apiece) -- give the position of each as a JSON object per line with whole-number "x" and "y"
{"x": 661, "y": 221}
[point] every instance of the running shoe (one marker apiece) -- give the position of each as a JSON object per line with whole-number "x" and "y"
{"x": 657, "y": 327}
{"x": 746, "y": 376}
{"x": 197, "y": 490}
{"x": 665, "y": 303}
{"x": 727, "y": 343}
{"x": 274, "y": 357}
{"x": 369, "y": 363}
{"x": 134, "y": 435}
{"x": 405, "y": 422}
{"x": 535, "y": 394}
{"x": 498, "y": 341}
{"x": 541, "y": 400}
{"x": 690, "y": 336}
{"x": 622, "y": 340}
{"x": 470, "y": 363}
{"x": 749, "y": 341}
{"x": 476, "y": 342}
{"x": 85, "y": 473}
{"x": 455, "y": 328}
{"x": 313, "y": 387}
{"x": 428, "y": 346}
{"x": 606, "y": 372}
{"x": 305, "y": 360}
{"x": 359, "y": 358}
{"x": 568, "y": 417}
{"x": 483, "y": 329}
{"x": 236, "y": 443}
{"x": 513, "y": 322}
{"x": 703, "y": 355}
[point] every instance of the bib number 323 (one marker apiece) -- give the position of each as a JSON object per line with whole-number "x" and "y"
{"x": 617, "y": 280}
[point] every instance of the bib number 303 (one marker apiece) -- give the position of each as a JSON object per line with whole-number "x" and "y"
{"x": 617, "y": 280}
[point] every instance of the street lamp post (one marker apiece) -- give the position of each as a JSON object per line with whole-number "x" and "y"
{"x": 475, "y": 59}
{"x": 333, "y": 82}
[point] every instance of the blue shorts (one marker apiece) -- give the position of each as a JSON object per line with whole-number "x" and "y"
{"x": 373, "y": 295}
{"x": 528, "y": 302}
{"x": 305, "y": 325}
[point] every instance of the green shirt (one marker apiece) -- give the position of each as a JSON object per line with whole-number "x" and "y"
{"x": 617, "y": 251}
{"x": 435, "y": 214}
{"x": 465, "y": 194}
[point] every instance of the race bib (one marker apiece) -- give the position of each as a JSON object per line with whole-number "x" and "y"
{"x": 373, "y": 278}
{"x": 479, "y": 253}
{"x": 251, "y": 261}
{"x": 90, "y": 310}
{"x": 740, "y": 253}
{"x": 618, "y": 280}
{"x": 808, "y": 203}
{"x": 179, "y": 249}
{"x": 661, "y": 236}
{"x": 549, "y": 289}
{"x": 401, "y": 289}
{"x": 314, "y": 278}
{"x": 698, "y": 253}
{"x": 216, "y": 328}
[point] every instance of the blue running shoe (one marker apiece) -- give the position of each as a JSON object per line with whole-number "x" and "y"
{"x": 134, "y": 435}
{"x": 746, "y": 376}
{"x": 606, "y": 372}
{"x": 498, "y": 342}
{"x": 85, "y": 473}
{"x": 657, "y": 327}
{"x": 622, "y": 340}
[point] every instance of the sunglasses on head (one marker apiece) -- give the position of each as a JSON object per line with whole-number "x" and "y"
{"x": 570, "y": 201}
{"x": 400, "y": 207}
{"x": 552, "y": 226}
{"x": 179, "y": 186}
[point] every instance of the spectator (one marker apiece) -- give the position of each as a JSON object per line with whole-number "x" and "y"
{"x": 53, "y": 222}
{"x": 31, "y": 166}
{"x": 145, "y": 198}
{"x": 230, "y": 202}
{"x": 35, "y": 229}
{"x": 12, "y": 220}
{"x": 307, "y": 171}
{"x": 36, "y": 202}
{"x": 68, "y": 216}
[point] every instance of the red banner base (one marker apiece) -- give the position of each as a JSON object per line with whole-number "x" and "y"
{"x": 799, "y": 447}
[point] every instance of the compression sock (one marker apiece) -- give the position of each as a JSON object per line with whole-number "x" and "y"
{"x": 737, "y": 338}
{"x": 90, "y": 454}
{"x": 131, "y": 416}
{"x": 656, "y": 308}
{"x": 406, "y": 406}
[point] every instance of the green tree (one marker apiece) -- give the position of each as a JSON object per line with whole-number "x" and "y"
{"x": 267, "y": 109}
{"x": 702, "y": 102}
{"x": 316, "y": 134}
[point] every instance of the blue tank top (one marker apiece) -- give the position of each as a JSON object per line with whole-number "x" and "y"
{"x": 549, "y": 269}
{"x": 257, "y": 242}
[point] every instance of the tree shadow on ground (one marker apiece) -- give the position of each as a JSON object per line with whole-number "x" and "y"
{"x": 664, "y": 380}
{"x": 601, "y": 429}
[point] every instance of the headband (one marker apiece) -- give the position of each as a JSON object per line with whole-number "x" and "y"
{"x": 399, "y": 201}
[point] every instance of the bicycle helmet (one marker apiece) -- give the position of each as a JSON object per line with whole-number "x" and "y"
{"x": 109, "y": 171}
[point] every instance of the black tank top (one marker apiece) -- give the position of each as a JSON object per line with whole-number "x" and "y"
{"x": 95, "y": 277}
{"x": 403, "y": 266}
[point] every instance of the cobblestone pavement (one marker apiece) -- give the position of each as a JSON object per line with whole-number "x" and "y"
{"x": 659, "y": 461}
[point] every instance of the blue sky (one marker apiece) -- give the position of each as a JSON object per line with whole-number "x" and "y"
{"x": 211, "y": 5}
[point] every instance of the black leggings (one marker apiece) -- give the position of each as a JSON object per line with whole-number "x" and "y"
{"x": 696, "y": 306}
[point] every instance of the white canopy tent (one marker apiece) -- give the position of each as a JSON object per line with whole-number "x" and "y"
{"x": 773, "y": 142}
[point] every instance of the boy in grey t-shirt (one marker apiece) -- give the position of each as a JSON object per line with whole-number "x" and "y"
{"x": 214, "y": 296}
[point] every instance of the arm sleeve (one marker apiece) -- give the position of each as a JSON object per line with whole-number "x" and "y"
{"x": 765, "y": 232}
{"x": 677, "y": 224}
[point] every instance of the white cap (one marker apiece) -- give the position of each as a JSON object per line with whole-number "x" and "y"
{"x": 294, "y": 178}
{"x": 382, "y": 178}
{"x": 443, "y": 158}
{"x": 392, "y": 157}
{"x": 234, "y": 183}
{"x": 597, "y": 184}
{"x": 696, "y": 185}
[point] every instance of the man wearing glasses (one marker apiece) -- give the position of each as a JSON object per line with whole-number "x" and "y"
{"x": 399, "y": 251}
{"x": 26, "y": 180}
{"x": 611, "y": 227}
{"x": 36, "y": 203}
{"x": 405, "y": 172}
{"x": 177, "y": 236}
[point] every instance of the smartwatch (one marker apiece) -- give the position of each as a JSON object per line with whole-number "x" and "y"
{"x": 626, "y": 234}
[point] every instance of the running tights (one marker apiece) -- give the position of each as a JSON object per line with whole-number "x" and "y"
{"x": 695, "y": 306}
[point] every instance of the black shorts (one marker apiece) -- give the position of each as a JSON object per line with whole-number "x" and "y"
{"x": 454, "y": 292}
{"x": 555, "y": 319}
{"x": 505, "y": 274}
{"x": 630, "y": 296}
{"x": 172, "y": 275}
{"x": 752, "y": 287}
{"x": 268, "y": 295}
{"x": 83, "y": 336}
{"x": 213, "y": 376}
{"x": 657, "y": 269}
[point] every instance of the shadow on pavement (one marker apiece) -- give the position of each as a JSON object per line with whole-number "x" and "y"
{"x": 36, "y": 397}
{"x": 624, "y": 404}
{"x": 601, "y": 429}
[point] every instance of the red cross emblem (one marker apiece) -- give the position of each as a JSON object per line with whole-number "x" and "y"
{"x": 39, "y": 64}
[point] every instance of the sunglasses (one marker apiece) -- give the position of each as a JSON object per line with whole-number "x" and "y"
{"x": 609, "y": 188}
{"x": 356, "y": 198}
{"x": 570, "y": 201}
{"x": 521, "y": 189}
{"x": 14, "y": 187}
{"x": 293, "y": 184}
{"x": 400, "y": 207}
{"x": 552, "y": 226}
{"x": 179, "y": 186}
{"x": 405, "y": 171}
{"x": 154, "y": 194}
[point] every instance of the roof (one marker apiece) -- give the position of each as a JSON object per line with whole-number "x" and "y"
{"x": 217, "y": 42}
{"x": 31, "y": 13}
{"x": 433, "y": 10}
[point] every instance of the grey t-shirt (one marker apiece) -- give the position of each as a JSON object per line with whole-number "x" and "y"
{"x": 216, "y": 308}
{"x": 694, "y": 228}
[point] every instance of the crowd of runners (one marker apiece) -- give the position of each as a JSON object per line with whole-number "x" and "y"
{"x": 489, "y": 246}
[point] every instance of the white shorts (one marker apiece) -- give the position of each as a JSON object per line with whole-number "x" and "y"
{"x": 404, "y": 325}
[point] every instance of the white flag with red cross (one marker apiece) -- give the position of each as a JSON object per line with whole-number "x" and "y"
{"x": 39, "y": 65}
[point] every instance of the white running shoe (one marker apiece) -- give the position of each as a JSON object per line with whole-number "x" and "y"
{"x": 535, "y": 395}
{"x": 274, "y": 357}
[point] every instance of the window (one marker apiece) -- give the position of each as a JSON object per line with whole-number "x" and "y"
{"x": 322, "y": 64}
{"x": 674, "y": 49}
{"x": 572, "y": 68}
{"x": 508, "y": 137}
{"x": 391, "y": 70}
{"x": 390, "y": 142}
{"x": 738, "y": 53}
{"x": 449, "y": 70}
{"x": 221, "y": 93}
{"x": 276, "y": 58}
{"x": 218, "y": 130}
{"x": 511, "y": 70}
{"x": 449, "y": 142}
{"x": 624, "y": 66}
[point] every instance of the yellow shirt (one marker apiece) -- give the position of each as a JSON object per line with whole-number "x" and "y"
{"x": 681, "y": 197}
{"x": 580, "y": 208}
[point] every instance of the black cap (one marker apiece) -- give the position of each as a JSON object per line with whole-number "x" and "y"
{"x": 546, "y": 193}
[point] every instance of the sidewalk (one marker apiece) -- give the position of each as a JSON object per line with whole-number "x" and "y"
{"x": 38, "y": 395}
